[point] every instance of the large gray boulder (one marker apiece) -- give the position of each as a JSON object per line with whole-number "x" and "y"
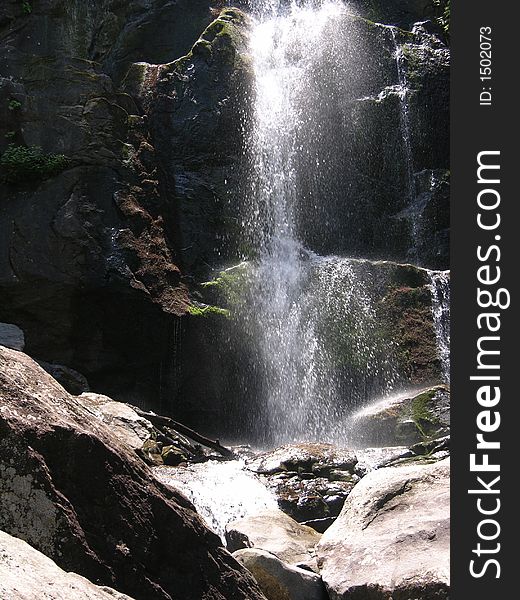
{"x": 277, "y": 533}
{"x": 72, "y": 490}
{"x": 278, "y": 580}
{"x": 26, "y": 574}
{"x": 392, "y": 538}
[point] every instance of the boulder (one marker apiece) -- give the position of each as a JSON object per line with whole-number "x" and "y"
{"x": 274, "y": 531}
{"x": 404, "y": 419}
{"x": 11, "y": 336}
{"x": 318, "y": 459}
{"x": 26, "y": 574}
{"x": 71, "y": 489}
{"x": 123, "y": 421}
{"x": 392, "y": 537}
{"x": 278, "y": 580}
{"x": 307, "y": 498}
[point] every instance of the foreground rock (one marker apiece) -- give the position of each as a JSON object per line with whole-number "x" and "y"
{"x": 278, "y": 580}
{"x": 72, "y": 490}
{"x": 405, "y": 419}
{"x": 277, "y": 533}
{"x": 392, "y": 537}
{"x": 26, "y": 574}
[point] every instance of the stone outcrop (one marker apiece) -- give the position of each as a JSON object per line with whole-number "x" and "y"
{"x": 392, "y": 537}
{"x": 72, "y": 490}
{"x": 26, "y": 574}
{"x": 277, "y": 533}
{"x": 278, "y": 580}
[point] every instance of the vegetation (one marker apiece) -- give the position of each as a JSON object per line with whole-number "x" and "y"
{"x": 421, "y": 414}
{"x": 14, "y": 105}
{"x": 21, "y": 163}
{"x": 26, "y": 7}
{"x": 207, "y": 310}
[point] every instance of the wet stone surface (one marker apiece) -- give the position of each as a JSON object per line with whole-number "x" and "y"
{"x": 310, "y": 481}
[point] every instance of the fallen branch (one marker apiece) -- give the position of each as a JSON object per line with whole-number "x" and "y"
{"x": 161, "y": 421}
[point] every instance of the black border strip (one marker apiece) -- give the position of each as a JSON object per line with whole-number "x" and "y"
{"x": 476, "y": 128}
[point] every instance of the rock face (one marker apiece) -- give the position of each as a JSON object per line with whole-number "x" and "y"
{"x": 106, "y": 198}
{"x": 276, "y": 533}
{"x": 88, "y": 262}
{"x": 280, "y": 581}
{"x": 392, "y": 537}
{"x": 26, "y": 574}
{"x": 73, "y": 491}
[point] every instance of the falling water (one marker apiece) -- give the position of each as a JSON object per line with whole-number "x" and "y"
{"x": 221, "y": 492}
{"x": 309, "y": 316}
{"x": 440, "y": 287}
{"x": 404, "y": 113}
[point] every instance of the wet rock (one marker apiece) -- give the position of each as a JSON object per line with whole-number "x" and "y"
{"x": 399, "y": 12}
{"x": 310, "y": 499}
{"x": 279, "y": 580}
{"x": 275, "y": 532}
{"x": 318, "y": 459}
{"x": 310, "y": 481}
{"x": 198, "y": 118}
{"x": 75, "y": 383}
{"x": 26, "y": 574}
{"x": 74, "y": 491}
{"x": 392, "y": 537}
{"x": 405, "y": 419}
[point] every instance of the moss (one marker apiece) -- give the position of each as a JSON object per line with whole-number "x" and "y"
{"x": 421, "y": 414}
{"x": 14, "y": 105}
{"x": 223, "y": 36}
{"x": 207, "y": 310}
{"x": 21, "y": 163}
{"x": 231, "y": 285}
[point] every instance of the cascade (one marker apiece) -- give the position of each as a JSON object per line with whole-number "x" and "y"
{"x": 297, "y": 298}
{"x": 309, "y": 319}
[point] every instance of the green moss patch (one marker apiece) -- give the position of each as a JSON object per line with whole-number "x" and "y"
{"x": 207, "y": 310}
{"x": 22, "y": 163}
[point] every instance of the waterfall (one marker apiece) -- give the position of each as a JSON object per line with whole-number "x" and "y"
{"x": 440, "y": 288}
{"x": 403, "y": 91}
{"x": 310, "y": 316}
